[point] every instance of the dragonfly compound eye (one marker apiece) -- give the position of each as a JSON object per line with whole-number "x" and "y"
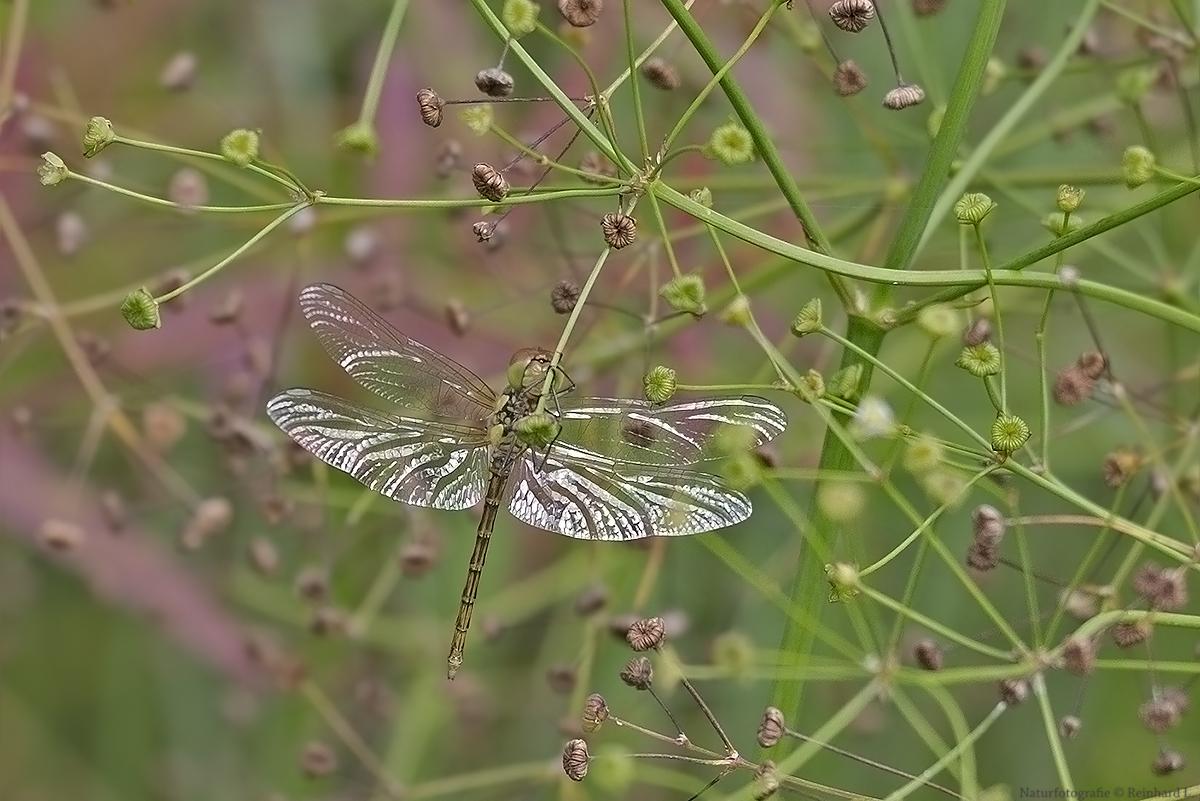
{"x": 527, "y": 368}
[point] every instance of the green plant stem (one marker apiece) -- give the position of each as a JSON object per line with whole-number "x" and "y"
{"x": 383, "y": 58}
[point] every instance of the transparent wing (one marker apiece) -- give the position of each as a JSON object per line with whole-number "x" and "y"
{"x": 415, "y": 461}
{"x": 639, "y": 432}
{"x": 390, "y": 364}
{"x": 584, "y": 497}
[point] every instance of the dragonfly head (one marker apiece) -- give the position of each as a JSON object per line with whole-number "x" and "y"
{"x": 527, "y": 369}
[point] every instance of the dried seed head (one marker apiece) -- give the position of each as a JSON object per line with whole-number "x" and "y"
{"x": 638, "y": 673}
{"x": 179, "y": 72}
{"x": 317, "y": 760}
{"x": 1069, "y": 727}
{"x": 228, "y": 310}
{"x": 580, "y": 13}
{"x": 1119, "y": 466}
{"x": 489, "y": 183}
{"x": 60, "y": 535}
{"x": 561, "y": 678}
{"x": 929, "y": 655}
{"x": 1013, "y": 691}
{"x": 263, "y": 556}
{"x": 449, "y": 155}
{"x": 431, "y": 107}
{"x": 646, "y": 633}
{"x": 595, "y": 712}
{"x": 925, "y": 8}
{"x": 1176, "y": 696}
{"x": 416, "y": 558}
{"x": 494, "y": 82}
{"x": 766, "y": 782}
{"x": 661, "y": 74}
{"x": 982, "y": 556}
{"x": 1167, "y": 762}
{"x": 1159, "y": 715}
{"x": 483, "y": 230}
{"x": 1079, "y": 655}
{"x": 1079, "y": 605}
{"x": 312, "y": 584}
{"x": 188, "y": 188}
{"x": 575, "y": 760}
{"x": 327, "y": 622}
{"x": 163, "y": 426}
{"x": 852, "y": 15}
{"x": 987, "y": 524}
{"x": 564, "y": 296}
{"x": 275, "y": 508}
{"x": 112, "y": 509}
{"x": 1127, "y": 635}
{"x": 978, "y": 332}
{"x": 1072, "y": 386}
{"x": 1093, "y": 364}
{"x": 903, "y": 97}
{"x": 457, "y": 317}
{"x": 771, "y": 728}
{"x": 849, "y": 78}
{"x": 591, "y": 600}
{"x": 1161, "y": 588}
{"x": 210, "y": 516}
{"x": 619, "y": 230}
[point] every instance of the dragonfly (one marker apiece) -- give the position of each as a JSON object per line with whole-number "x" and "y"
{"x": 616, "y": 469}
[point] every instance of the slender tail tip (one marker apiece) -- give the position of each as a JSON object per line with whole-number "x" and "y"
{"x": 452, "y": 666}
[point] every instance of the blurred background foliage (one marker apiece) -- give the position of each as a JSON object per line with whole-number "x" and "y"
{"x": 298, "y": 651}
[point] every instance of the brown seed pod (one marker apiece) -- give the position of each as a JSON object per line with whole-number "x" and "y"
{"x": 1069, "y": 727}
{"x": 561, "y": 678}
{"x": 457, "y": 317}
{"x": 1093, "y": 363}
{"x": 1072, "y": 386}
{"x": 494, "y": 82}
{"x": 489, "y": 183}
{"x": 903, "y": 96}
{"x": 1079, "y": 655}
{"x": 312, "y": 584}
{"x": 449, "y": 156}
{"x": 575, "y": 760}
{"x": 852, "y": 15}
{"x": 211, "y": 516}
{"x": 1159, "y": 715}
{"x": 619, "y": 230}
{"x": 646, "y": 634}
{"x": 1127, "y": 635}
{"x": 591, "y": 600}
{"x": 925, "y": 8}
{"x": 661, "y": 74}
{"x": 580, "y": 13}
{"x": 766, "y": 782}
{"x": 1167, "y": 762}
{"x": 1080, "y": 605}
{"x": 317, "y": 759}
{"x": 564, "y": 296}
{"x": 849, "y": 79}
{"x": 327, "y": 621}
{"x": 929, "y": 655}
{"x": 431, "y": 107}
{"x": 416, "y": 558}
{"x": 595, "y": 712}
{"x": 1162, "y": 588}
{"x": 263, "y": 556}
{"x": 978, "y": 332}
{"x": 982, "y": 556}
{"x": 1119, "y": 466}
{"x": 163, "y": 425}
{"x": 1013, "y": 691}
{"x": 771, "y": 728}
{"x": 61, "y": 536}
{"x": 638, "y": 673}
{"x": 987, "y": 524}
{"x": 179, "y": 72}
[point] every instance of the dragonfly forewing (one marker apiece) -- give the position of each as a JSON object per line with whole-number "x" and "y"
{"x": 418, "y": 462}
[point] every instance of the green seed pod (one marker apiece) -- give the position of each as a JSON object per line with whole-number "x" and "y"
{"x": 660, "y": 384}
{"x": 140, "y": 310}
{"x": 685, "y": 294}
{"x": 97, "y": 135}
{"x": 52, "y": 170}
{"x": 240, "y": 147}
{"x": 808, "y": 320}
